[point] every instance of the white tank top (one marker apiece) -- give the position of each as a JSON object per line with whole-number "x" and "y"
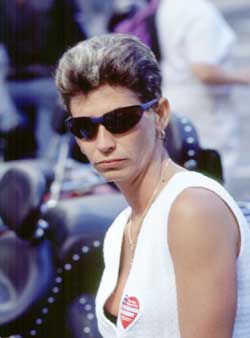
{"x": 148, "y": 307}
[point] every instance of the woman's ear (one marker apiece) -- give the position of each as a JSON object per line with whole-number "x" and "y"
{"x": 162, "y": 114}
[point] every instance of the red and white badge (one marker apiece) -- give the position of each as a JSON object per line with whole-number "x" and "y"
{"x": 129, "y": 311}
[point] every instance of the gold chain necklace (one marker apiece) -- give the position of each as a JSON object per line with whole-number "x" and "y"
{"x": 132, "y": 243}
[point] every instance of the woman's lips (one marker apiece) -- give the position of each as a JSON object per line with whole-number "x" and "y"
{"x": 110, "y": 163}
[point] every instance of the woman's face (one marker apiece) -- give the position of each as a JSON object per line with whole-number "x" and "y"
{"x": 117, "y": 157}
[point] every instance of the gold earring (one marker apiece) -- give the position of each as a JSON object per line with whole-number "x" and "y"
{"x": 162, "y": 135}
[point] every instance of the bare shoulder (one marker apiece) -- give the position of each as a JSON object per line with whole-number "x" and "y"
{"x": 203, "y": 240}
{"x": 200, "y": 218}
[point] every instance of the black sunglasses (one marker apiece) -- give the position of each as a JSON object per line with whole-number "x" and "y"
{"x": 117, "y": 121}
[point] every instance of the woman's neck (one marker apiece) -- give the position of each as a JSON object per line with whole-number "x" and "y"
{"x": 139, "y": 191}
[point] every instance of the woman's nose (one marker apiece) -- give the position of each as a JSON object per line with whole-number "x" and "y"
{"x": 105, "y": 141}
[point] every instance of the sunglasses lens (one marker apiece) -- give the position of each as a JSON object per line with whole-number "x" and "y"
{"x": 82, "y": 128}
{"x": 123, "y": 119}
{"x": 117, "y": 121}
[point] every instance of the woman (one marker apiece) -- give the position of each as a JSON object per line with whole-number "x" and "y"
{"x": 177, "y": 260}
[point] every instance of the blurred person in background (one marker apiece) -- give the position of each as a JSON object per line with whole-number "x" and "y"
{"x": 123, "y": 11}
{"x": 196, "y": 61}
{"x": 137, "y": 18}
{"x": 35, "y": 33}
{"x": 98, "y": 13}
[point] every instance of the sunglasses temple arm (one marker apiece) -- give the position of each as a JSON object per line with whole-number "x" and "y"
{"x": 149, "y": 104}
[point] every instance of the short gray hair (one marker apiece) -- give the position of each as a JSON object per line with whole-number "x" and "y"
{"x": 114, "y": 59}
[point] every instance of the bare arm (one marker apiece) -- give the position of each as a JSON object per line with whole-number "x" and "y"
{"x": 214, "y": 74}
{"x": 203, "y": 238}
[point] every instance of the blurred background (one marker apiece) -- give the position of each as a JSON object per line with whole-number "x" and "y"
{"x": 70, "y": 21}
